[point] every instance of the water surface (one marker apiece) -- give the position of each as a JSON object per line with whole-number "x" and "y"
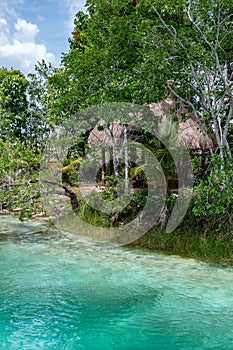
{"x": 61, "y": 292}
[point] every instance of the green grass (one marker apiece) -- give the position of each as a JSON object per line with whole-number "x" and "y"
{"x": 192, "y": 238}
{"x": 189, "y": 241}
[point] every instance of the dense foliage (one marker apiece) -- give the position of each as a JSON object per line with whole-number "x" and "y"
{"x": 23, "y": 131}
{"x": 146, "y": 51}
{"x": 139, "y": 52}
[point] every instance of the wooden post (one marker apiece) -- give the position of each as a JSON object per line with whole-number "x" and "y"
{"x": 103, "y": 166}
{"x": 111, "y": 166}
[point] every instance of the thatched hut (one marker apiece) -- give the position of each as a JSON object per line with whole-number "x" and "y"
{"x": 189, "y": 133}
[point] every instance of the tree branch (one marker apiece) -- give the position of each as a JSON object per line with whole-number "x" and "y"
{"x": 68, "y": 192}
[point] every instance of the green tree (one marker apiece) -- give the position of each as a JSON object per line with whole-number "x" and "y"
{"x": 13, "y": 104}
{"x": 22, "y": 108}
{"x": 145, "y": 51}
{"x": 24, "y": 128}
{"x": 110, "y": 59}
{"x": 19, "y": 166}
{"x": 39, "y": 123}
{"x": 205, "y": 81}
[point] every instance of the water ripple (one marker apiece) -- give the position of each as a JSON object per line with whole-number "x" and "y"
{"x": 59, "y": 291}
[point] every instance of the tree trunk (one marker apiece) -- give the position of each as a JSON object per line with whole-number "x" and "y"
{"x": 126, "y": 161}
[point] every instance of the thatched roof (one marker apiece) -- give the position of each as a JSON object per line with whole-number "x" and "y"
{"x": 190, "y": 136}
{"x": 189, "y": 133}
{"x": 168, "y": 107}
{"x": 100, "y": 136}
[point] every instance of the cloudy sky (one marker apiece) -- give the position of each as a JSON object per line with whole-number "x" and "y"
{"x": 32, "y": 30}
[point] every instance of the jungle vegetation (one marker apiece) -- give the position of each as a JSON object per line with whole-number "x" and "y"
{"x": 138, "y": 52}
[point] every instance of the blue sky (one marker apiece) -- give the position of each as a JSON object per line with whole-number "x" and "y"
{"x": 32, "y": 30}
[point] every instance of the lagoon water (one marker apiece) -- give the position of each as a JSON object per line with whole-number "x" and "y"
{"x": 61, "y": 292}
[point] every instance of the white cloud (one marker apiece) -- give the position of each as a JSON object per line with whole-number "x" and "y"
{"x": 25, "y": 32}
{"x": 3, "y": 21}
{"x": 19, "y": 44}
{"x": 24, "y": 55}
{"x": 20, "y": 50}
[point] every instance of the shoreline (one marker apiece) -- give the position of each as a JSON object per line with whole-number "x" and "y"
{"x": 185, "y": 243}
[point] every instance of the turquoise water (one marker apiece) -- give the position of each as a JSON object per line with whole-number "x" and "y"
{"x": 61, "y": 292}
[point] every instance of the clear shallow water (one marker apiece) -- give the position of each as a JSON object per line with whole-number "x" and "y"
{"x": 60, "y": 292}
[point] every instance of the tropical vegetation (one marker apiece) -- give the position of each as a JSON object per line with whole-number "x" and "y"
{"x": 133, "y": 52}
